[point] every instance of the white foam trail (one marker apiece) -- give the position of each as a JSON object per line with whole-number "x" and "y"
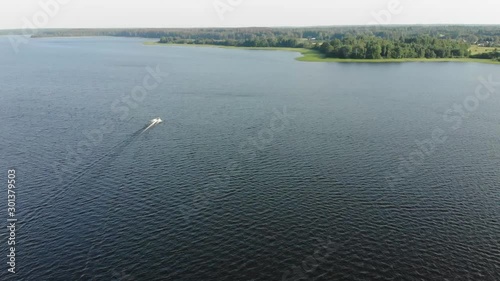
{"x": 151, "y": 125}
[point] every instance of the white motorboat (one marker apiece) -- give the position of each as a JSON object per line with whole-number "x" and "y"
{"x": 156, "y": 121}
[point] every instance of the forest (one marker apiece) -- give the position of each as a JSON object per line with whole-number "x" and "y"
{"x": 370, "y": 47}
{"x": 343, "y": 42}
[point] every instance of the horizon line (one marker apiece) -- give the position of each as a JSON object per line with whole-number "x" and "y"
{"x": 277, "y": 26}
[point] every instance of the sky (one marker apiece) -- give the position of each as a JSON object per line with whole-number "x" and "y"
{"x": 16, "y": 14}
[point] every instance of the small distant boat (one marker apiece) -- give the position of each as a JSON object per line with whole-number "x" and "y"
{"x": 156, "y": 121}
{"x": 152, "y": 123}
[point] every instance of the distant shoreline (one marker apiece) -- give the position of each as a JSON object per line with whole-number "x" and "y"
{"x": 309, "y": 55}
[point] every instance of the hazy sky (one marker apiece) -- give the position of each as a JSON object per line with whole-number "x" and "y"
{"x": 203, "y": 13}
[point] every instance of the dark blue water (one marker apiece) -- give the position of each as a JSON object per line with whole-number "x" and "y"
{"x": 265, "y": 168}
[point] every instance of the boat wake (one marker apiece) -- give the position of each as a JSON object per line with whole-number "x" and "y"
{"x": 98, "y": 164}
{"x": 152, "y": 123}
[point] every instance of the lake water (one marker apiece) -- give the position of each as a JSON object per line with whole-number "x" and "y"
{"x": 266, "y": 168}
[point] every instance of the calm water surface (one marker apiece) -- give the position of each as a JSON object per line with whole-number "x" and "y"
{"x": 262, "y": 162}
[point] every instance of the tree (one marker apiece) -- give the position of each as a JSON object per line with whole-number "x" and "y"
{"x": 345, "y": 51}
{"x": 373, "y": 51}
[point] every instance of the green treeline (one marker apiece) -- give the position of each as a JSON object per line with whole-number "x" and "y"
{"x": 349, "y": 42}
{"x": 371, "y": 47}
{"x": 400, "y": 42}
{"x": 487, "y": 35}
{"x": 253, "y": 42}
